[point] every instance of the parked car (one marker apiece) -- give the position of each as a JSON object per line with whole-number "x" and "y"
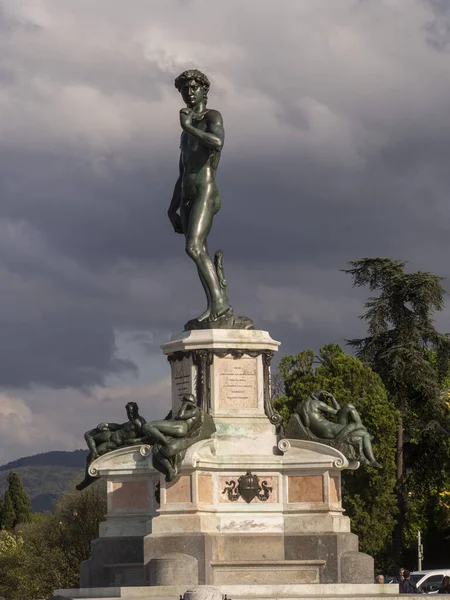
{"x": 428, "y": 582}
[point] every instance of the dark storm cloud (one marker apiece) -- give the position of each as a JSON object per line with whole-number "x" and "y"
{"x": 97, "y": 221}
{"x": 59, "y": 350}
{"x": 337, "y": 147}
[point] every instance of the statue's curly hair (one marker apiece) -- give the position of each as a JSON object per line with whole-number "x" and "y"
{"x": 134, "y": 407}
{"x": 189, "y": 398}
{"x": 198, "y": 76}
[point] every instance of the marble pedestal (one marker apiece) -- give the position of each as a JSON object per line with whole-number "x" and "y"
{"x": 197, "y": 530}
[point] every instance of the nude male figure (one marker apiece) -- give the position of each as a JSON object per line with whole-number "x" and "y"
{"x": 110, "y": 436}
{"x": 196, "y": 198}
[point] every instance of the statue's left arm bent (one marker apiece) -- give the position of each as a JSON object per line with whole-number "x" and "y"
{"x": 213, "y": 137}
{"x": 327, "y": 409}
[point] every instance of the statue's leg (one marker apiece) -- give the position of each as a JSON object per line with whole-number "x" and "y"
{"x": 106, "y": 447}
{"x": 368, "y": 451}
{"x": 88, "y": 479}
{"x": 349, "y": 414}
{"x": 185, "y": 212}
{"x": 360, "y": 450}
{"x": 205, "y": 315}
{"x": 85, "y": 483}
{"x": 154, "y": 434}
{"x": 164, "y": 466}
{"x": 204, "y": 207}
{"x": 158, "y": 430}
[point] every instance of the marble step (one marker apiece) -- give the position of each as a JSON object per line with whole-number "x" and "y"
{"x": 317, "y": 591}
{"x": 303, "y": 597}
{"x": 126, "y": 573}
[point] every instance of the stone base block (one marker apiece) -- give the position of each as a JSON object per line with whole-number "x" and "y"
{"x": 254, "y": 559}
{"x": 208, "y": 559}
{"x": 356, "y": 567}
{"x": 195, "y": 548}
{"x": 254, "y": 572}
{"x": 113, "y": 562}
{"x": 172, "y": 569}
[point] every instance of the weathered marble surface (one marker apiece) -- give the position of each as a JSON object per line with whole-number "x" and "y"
{"x": 339, "y": 591}
{"x": 229, "y": 372}
{"x": 220, "y": 338}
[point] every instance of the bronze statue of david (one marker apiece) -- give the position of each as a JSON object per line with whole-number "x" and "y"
{"x": 196, "y": 198}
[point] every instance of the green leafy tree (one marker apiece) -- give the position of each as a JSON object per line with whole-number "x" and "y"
{"x": 9, "y": 547}
{"x": 32, "y": 568}
{"x": 368, "y": 493}
{"x": 413, "y": 359}
{"x": 8, "y": 516}
{"x": 20, "y": 500}
{"x": 1, "y": 509}
{"x": 8, "y": 542}
{"x": 76, "y": 521}
{"x": 49, "y": 550}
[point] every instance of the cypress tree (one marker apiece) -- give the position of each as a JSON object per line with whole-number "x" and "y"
{"x": 8, "y": 516}
{"x": 20, "y": 500}
{"x": 412, "y": 358}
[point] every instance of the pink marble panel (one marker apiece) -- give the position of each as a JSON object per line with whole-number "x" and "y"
{"x": 129, "y": 495}
{"x": 205, "y": 489}
{"x": 179, "y": 490}
{"x": 305, "y": 488}
{"x": 335, "y": 489}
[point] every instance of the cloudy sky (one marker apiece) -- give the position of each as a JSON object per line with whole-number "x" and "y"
{"x": 337, "y": 147}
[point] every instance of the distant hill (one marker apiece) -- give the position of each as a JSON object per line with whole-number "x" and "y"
{"x": 46, "y": 476}
{"x": 58, "y": 458}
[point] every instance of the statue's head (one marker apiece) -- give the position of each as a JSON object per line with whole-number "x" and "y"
{"x": 193, "y": 85}
{"x": 190, "y": 398}
{"x": 324, "y": 396}
{"x": 132, "y": 410}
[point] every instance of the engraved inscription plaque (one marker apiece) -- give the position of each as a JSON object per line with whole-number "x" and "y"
{"x": 237, "y": 383}
{"x": 182, "y": 381}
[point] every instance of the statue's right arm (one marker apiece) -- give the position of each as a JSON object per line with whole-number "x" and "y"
{"x": 136, "y": 441}
{"x": 326, "y": 408}
{"x": 335, "y": 403}
{"x": 176, "y": 201}
{"x": 186, "y": 412}
{"x": 182, "y": 410}
{"x": 138, "y": 424}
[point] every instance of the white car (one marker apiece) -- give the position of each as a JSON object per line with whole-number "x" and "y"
{"x": 428, "y": 582}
